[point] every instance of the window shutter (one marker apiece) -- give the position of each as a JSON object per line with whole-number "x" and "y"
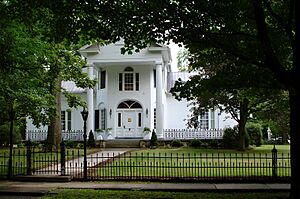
{"x": 120, "y": 81}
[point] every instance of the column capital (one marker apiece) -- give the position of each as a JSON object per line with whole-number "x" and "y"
{"x": 158, "y": 63}
{"x": 90, "y": 65}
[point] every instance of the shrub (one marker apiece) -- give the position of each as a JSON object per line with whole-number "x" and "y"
{"x": 214, "y": 143}
{"x": 70, "y": 144}
{"x": 231, "y": 138}
{"x": 91, "y": 141}
{"x": 196, "y": 143}
{"x": 79, "y": 145}
{"x": 36, "y": 144}
{"x": 146, "y": 130}
{"x": 176, "y": 143}
{"x": 153, "y": 141}
{"x": 254, "y": 130}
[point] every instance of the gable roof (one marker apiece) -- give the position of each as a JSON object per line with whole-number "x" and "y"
{"x": 174, "y": 76}
{"x": 71, "y": 87}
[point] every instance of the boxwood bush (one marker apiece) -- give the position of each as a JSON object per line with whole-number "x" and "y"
{"x": 254, "y": 130}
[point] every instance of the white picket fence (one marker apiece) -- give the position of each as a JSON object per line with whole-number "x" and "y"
{"x": 188, "y": 134}
{"x": 39, "y": 135}
{"x": 168, "y": 134}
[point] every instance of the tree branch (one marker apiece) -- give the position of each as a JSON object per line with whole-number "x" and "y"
{"x": 286, "y": 26}
{"x": 271, "y": 60}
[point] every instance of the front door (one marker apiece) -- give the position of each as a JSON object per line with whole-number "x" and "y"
{"x": 129, "y": 119}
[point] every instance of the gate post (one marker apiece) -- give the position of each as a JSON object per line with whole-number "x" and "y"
{"x": 274, "y": 162}
{"x": 28, "y": 158}
{"x": 63, "y": 158}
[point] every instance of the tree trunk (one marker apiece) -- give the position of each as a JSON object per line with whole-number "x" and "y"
{"x": 242, "y": 123}
{"x": 54, "y": 129}
{"x": 295, "y": 143}
{"x": 295, "y": 110}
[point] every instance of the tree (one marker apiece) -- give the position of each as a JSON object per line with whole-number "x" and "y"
{"x": 64, "y": 64}
{"x": 276, "y": 116}
{"x": 22, "y": 89}
{"x": 62, "y": 60}
{"x": 153, "y": 140}
{"x": 240, "y": 93}
{"x": 260, "y": 33}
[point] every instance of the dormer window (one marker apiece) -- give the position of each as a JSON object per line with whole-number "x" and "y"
{"x": 128, "y": 80}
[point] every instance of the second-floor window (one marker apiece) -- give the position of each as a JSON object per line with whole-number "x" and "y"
{"x": 128, "y": 80}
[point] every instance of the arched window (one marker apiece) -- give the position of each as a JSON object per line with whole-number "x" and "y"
{"x": 128, "y": 69}
{"x": 129, "y": 104}
{"x": 128, "y": 80}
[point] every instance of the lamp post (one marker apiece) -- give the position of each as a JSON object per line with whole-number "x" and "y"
{"x": 84, "y": 115}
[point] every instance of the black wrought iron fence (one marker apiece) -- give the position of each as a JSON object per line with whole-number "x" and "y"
{"x": 141, "y": 165}
{"x": 187, "y": 166}
{"x": 31, "y": 160}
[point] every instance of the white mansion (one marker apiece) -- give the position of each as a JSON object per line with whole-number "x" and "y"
{"x": 133, "y": 93}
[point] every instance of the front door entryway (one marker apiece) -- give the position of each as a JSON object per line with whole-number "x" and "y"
{"x": 129, "y": 119}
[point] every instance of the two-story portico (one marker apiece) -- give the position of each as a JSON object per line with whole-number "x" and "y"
{"x": 130, "y": 94}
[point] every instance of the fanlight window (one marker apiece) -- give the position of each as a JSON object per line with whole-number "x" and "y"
{"x": 128, "y": 69}
{"x": 130, "y": 104}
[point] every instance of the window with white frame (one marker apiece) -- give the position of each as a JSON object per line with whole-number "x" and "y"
{"x": 128, "y": 80}
{"x": 204, "y": 121}
{"x": 103, "y": 118}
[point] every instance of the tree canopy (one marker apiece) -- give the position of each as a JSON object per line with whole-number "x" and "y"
{"x": 256, "y": 33}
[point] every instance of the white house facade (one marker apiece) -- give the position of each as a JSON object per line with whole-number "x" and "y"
{"x": 132, "y": 93}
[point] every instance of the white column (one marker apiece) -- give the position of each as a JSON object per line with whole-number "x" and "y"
{"x": 159, "y": 105}
{"x": 90, "y": 101}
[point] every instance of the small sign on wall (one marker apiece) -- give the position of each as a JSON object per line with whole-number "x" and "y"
{"x": 129, "y": 119}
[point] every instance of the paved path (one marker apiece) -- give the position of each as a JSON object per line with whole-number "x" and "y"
{"x": 75, "y": 166}
{"x": 36, "y": 189}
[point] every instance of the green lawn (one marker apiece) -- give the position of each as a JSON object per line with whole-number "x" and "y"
{"x": 189, "y": 162}
{"x": 40, "y": 158}
{"x": 109, "y": 194}
{"x": 264, "y": 149}
{"x": 168, "y": 162}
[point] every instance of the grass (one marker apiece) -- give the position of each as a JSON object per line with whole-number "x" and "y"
{"x": 114, "y": 194}
{"x": 40, "y": 158}
{"x": 264, "y": 149}
{"x": 167, "y": 162}
{"x": 189, "y": 162}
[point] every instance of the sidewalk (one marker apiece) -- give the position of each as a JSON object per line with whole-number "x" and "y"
{"x": 9, "y": 188}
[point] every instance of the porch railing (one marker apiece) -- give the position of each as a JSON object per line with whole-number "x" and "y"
{"x": 40, "y": 135}
{"x": 168, "y": 134}
{"x": 187, "y": 134}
